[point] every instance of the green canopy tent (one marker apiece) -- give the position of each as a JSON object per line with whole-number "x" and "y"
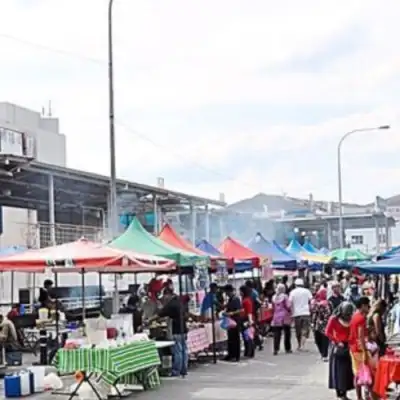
{"x": 136, "y": 238}
{"x": 349, "y": 256}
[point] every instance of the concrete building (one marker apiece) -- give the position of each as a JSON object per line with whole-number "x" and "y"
{"x": 29, "y": 134}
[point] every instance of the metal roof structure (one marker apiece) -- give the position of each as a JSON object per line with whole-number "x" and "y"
{"x": 350, "y": 221}
{"x": 24, "y": 183}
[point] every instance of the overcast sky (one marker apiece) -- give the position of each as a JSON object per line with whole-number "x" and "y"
{"x": 217, "y": 96}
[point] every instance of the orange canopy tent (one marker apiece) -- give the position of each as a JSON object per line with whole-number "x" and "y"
{"x": 169, "y": 235}
{"x": 233, "y": 249}
{"x": 84, "y": 255}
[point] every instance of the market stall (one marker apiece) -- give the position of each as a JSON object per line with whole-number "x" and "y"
{"x": 77, "y": 257}
{"x": 104, "y": 369}
{"x": 195, "y": 264}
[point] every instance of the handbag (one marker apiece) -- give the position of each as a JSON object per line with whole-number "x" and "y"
{"x": 341, "y": 351}
{"x": 364, "y": 377}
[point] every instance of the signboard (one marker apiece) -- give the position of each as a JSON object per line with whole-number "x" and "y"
{"x": 222, "y": 275}
{"x": 201, "y": 278}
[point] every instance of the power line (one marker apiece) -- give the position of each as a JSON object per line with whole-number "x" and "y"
{"x": 144, "y": 137}
{"x": 50, "y": 49}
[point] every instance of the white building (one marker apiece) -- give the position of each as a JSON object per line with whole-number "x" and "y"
{"x": 20, "y": 126}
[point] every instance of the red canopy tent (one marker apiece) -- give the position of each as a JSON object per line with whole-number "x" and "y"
{"x": 235, "y": 250}
{"x": 84, "y": 255}
{"x": 169, "y": 235}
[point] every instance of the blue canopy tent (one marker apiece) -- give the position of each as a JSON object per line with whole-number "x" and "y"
{"x": 393, "y": 252}
{"x": 207, "y": 247}
{"x": 324, "y": 250}
{"x": 280, "y": 260}
{"x": 8, "y": 251}
{"x": 309, "y": 247}
{"x": 383, "y": 267}
{"x": 297, "y": 250}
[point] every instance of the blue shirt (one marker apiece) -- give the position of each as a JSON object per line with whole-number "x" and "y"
{"x": 207, "y": 303}
{"x": 254, "y": 294}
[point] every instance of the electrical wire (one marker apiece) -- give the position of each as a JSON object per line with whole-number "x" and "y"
{"x": 129, "y": 129}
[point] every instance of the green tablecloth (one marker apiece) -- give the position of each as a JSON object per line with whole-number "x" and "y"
{"x": 132, "y": 363}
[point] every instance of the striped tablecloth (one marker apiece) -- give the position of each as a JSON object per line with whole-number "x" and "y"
{"x": 132, "y": 363}
{"x": 197, "y": 340}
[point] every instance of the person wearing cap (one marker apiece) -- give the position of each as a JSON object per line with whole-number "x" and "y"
{"x": 300, "y": 299}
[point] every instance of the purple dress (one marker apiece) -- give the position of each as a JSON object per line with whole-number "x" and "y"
{"x": 282, "y": 312}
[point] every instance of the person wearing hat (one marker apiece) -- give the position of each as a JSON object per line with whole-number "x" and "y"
{"x": 300, "y": 299}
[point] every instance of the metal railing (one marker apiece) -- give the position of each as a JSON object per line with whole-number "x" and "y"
{"x": 40, "y": 234}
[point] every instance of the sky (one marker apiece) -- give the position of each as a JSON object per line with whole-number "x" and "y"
{"x": 229, "y": 96}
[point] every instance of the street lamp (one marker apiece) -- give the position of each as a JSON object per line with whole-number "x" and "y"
{"x": 113, "y": 173}
{"x": 339, "y": 164}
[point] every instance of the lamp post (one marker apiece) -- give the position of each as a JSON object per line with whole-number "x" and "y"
{"x": 113, "y": 173}
{"x": 339, "y": 165}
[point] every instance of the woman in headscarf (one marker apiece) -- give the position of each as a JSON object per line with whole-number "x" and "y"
{"x": 321, "y": 313}
{"x": 281, "y": 319}
{"x": 341, "y": 376}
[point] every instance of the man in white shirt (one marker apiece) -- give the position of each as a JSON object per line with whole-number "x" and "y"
{"x": 300, "y": 299}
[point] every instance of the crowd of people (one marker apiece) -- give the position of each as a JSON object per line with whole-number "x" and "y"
{"x": 345, "y": 316}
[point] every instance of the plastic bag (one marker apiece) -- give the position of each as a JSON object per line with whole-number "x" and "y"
{"x": 227, "y": 323}
{"x": 364, "y": 377}
{"x": 248, "y": 334}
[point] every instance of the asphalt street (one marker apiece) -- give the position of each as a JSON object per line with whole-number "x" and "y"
{"x": 297, "y": 376}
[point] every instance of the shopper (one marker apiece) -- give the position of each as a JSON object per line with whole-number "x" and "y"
{"x": 247, "y": 321}
{"x": 173, "y": 309}
{"x": 300, "y": 299}
{"x": 358, "y": 337}
{"x": 281, "y": 319}
{"x": 233, "y": 310}
{"x": 341, "y": 377}
{"x": 320, "y": 317}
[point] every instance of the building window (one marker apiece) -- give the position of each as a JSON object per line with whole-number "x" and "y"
{"x": 382, "y": 238}
{"x": 357, "y": 239}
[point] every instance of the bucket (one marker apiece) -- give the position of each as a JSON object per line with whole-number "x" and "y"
{"x": 43, "y": 314}
{"x": 39, "y": 372}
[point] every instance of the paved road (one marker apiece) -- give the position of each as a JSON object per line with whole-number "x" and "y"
{"x": 297, "y": 376}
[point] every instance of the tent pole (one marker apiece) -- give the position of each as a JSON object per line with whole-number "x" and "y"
{"x": 214, "y": 342}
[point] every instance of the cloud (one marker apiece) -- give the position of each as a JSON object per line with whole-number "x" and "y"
{"x": 249, "y": 97}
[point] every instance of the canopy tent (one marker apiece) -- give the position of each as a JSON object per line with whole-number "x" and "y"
{"x": 324, "y": 250}
{"x": 309, "y": 247}
{"x": 136, "y": 238}
{"x": 243, "y": 257}
{"x": 6, "y": 251}
{"x": 262, "y": 246}
{"x": 384, "y": 267}
{"x": 207, "y": 247}
{"x": 349, "y": 256}
{"x": 297, "y": 250}
{"x": 171, "y": 237}
{"x": 83, "y": 254}
{"x": 393, "y": 252}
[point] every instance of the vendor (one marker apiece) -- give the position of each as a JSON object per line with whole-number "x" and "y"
{"x": 210, "y": 301}
{"x": 44, "y": 294}
{"x": 8, "y": 335}
{"x": 173, "y": 309}
{"x": 133, "y": 306}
